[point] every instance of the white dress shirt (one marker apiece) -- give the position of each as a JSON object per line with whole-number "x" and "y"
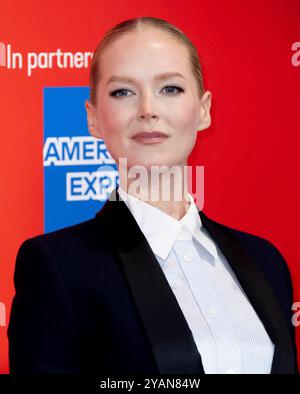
{"x": 228, "y": 334}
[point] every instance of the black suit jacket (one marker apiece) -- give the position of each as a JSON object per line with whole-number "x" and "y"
{"x": 91, "y": 298}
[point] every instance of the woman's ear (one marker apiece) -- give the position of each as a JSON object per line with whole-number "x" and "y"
{"x": 205, "y": 119}
{"x": 91, "y": 120}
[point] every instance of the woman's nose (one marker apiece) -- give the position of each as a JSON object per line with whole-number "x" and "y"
{"x": 147, "y": 108}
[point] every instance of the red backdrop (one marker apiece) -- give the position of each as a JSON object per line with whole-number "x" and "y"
{"x": 250, "y": 152}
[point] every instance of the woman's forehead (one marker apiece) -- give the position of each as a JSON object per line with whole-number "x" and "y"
{"x": 143, "y": 56}
{"x": 146, "y": 43}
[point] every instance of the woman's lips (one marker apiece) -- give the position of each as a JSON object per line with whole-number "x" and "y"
{"x": 153, "y": 137}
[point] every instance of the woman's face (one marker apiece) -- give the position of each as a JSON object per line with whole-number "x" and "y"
{"x": 142, "y": 103}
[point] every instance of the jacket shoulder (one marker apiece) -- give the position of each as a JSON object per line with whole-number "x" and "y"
{"x": 74, "y": 234}
{"x": 256, "y": 245}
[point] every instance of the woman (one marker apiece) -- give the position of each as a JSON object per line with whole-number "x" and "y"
{"x": 150, "y": 285}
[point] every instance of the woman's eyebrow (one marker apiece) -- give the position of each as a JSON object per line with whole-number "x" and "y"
{"x": 158, "y": 77}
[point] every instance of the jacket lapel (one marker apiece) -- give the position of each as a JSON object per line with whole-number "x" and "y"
{"x": 259, "y": 292}
{"x": 171, "y": 339}
{"x": 172, "y": 342}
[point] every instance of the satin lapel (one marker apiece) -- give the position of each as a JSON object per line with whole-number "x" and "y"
{"x": 169, "y": 334}
{"x": 259, "y": 292}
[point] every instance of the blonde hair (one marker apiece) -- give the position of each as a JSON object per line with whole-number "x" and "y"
{"x": 132, "y": 25}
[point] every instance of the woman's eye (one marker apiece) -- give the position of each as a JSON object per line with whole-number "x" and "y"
{"x": 180, "y": 90}
{"x": 170, "y": 91}
{"x": 115, "y": 93}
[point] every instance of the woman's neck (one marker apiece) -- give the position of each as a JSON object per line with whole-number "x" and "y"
{"x": 169, "y": 197}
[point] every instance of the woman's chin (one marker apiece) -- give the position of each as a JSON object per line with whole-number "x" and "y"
{"x": 140, "y": 164}
{"x": 152, "y": 165}
{"x": 160, "y": 161}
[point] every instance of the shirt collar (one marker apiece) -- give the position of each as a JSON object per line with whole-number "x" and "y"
{"x": 162, "y": 230}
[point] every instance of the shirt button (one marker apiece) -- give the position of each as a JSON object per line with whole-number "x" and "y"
{"x": 213, "y": 313}
{"x": 230, "y": 371}
{"x": 234, "y": 287}
{"x": 187, "y": 257}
